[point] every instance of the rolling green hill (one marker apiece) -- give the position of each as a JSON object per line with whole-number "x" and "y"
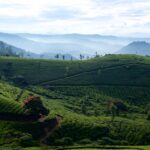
{"x": 79, "y": 91}
{"x": 115, "y": 69}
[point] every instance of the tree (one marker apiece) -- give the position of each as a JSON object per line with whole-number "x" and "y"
{"x": 9, "y": 51}
{"x": 6, "y": 51}
{"x": 121, "y": 107}
{"x": 81, "y": 56}
{"x": 115, "y": 107}
{"x": 63, "y": 57}
{"x": 96, "y": 54}
{"x": 57, "y": 56}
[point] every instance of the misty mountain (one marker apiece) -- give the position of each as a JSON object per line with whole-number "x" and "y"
{"x": 9, "y": 50}
{"x": 137, "y": 47}
{"x": 73, "y": 44}
{"x": 77, "y": 43}
{"x": 6, "y": 49}
{"x": 86, "y": 44}
{"x": 68, "y": 43}
{"x": 23, "y": 43}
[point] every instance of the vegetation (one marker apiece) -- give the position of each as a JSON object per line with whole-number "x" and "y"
{"x": 103, "y": 101}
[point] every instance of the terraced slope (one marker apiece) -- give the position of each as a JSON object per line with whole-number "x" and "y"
{"x": 110, "y": 70}
{"x": 125, "y": 75}
{"x": 10, "y": 109}
{"x": 67, "y": 86}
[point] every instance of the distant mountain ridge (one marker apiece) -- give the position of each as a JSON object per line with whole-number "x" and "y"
{"x": 72, "y": 44}
{"x": 6, "y": 49}
{"x": 136, "y": 47}
{"x": 9, "y": 50}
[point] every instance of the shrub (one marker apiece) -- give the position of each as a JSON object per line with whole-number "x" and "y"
{"x": 148, "y": 115}
{"x": 124, "y": 142}
{"x": 100, "y": 142}
{"x": 85, "y": 141}
{"x": 109, "y": 141}
{"x": 26, "y": 140}
{"x": 99, "y": 132}
{"x": 145, "y": 139}
{"x": 20, "y": 80}
{"x": 64, "y": 141}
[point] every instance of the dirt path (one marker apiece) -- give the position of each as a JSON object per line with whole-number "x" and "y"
{"x": 82, "y": 73}
{"x": 50, "y": 127}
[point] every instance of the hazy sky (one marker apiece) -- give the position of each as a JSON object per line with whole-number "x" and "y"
{"x": 115, "y": 17}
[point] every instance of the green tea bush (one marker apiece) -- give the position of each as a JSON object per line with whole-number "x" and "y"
{"x": 64, "y": 141}
{"x": 85, "y": 141}
{"x": 109, "y": 141}
{"x": 148, "y": 115}
{"x": 26, "y": 140}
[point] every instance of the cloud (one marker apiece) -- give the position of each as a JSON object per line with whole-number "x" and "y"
{"x": 117, "y": 17}
{"x": 59, "y": 14}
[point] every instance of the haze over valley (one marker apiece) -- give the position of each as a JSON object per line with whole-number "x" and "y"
{"x": 39, "y": 45}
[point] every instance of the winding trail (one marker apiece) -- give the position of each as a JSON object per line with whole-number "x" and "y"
{"x": 49, "y": 126}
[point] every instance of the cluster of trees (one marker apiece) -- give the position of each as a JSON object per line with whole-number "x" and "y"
{"x": 8, "y": 51}
{"x": 81, "y": 56}
{"x": 63, "y": 57}
{"x": 113, "y": 107}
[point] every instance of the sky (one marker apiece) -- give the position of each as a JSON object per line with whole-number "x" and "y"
{"x": 107, "y": 17}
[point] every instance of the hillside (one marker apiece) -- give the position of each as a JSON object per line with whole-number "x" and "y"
{"x": 21, "y": 42}
{"x": 79, "y": 91}
{"x": 74, "y": 121}
{"x": 139, "y": 48}
{"x": 6, "y": 49}
{"x": 10, "y": 50}
{"x": 108, "y": 70}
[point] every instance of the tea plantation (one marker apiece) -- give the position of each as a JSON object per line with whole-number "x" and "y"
{"x": 104, "y": 102}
